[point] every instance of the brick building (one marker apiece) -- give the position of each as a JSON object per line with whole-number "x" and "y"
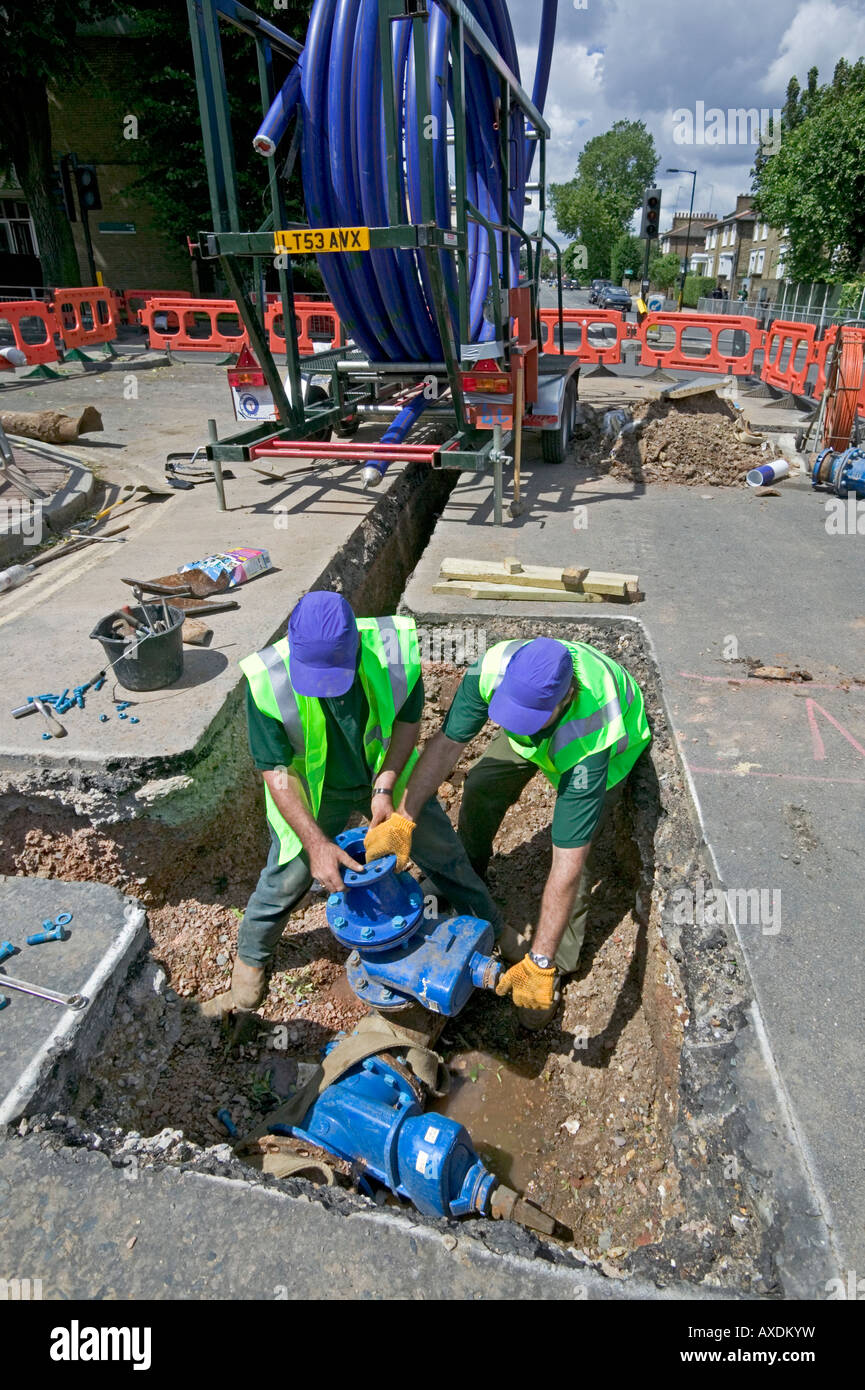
{"x": 678, "y": 241}
{"x": 743, "y": 252}
{"x": 91, "y": 118}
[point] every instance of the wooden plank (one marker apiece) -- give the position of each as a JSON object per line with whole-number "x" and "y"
{"x": 539, "y": 577}
{"x": 517, "y": 593}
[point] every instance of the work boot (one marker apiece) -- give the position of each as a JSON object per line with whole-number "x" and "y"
{"x": 533, "y": 1020}
{"x": 248, "y": 988}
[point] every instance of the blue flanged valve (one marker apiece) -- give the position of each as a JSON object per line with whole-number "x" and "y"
{"x": 840, "y": 473}
{"x": 372, "y": 1118}
{"x": 398, "y": 956}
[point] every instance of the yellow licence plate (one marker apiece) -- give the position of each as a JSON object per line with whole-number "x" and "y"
{"x": 316, "y": 240}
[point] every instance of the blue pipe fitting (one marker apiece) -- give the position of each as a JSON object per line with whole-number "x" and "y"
{"x": 103, "y": 719}
{"x": 371, "y": 1117}
{"x": 133, "y": 719}
{"x": 44, "y": 736}
{"x": 6, "y": 950}
{"x": 224, "y": 1118}
{"x": 397, "y": 957}
{"x": 377, "y": 908}
{"x": 841, "y": 473}
{"x": 3, "y": 1001}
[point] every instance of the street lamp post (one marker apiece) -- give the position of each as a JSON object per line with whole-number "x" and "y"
{"x": 693, "y": 174}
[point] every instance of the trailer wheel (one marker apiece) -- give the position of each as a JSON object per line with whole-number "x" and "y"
{"x": 554, "y": 443}
{"x": 347, "y": 429}
{"x": 315, "y": 396}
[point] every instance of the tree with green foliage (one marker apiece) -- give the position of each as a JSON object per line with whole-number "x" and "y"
{"x": 814, "y": 184}
{"x": 170, "y": 150}
{"x": 596, "y": 206}
{"x": 627, "y": 254}
{"x": 664, "y": 271}
{"x": 38, "y": 46}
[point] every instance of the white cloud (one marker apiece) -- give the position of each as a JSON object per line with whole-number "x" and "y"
{"x": 821, "y": 32}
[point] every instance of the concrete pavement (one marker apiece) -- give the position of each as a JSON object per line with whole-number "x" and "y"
{"x": 778, "y": 770}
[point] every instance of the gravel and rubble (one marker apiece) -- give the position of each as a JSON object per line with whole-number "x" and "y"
{"x": 698, "y": 441}
{"x": 619, "y": 1118}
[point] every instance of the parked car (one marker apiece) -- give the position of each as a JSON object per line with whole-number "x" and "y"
{"x": 614, "y": 297}
{"x": 595, "y": 289}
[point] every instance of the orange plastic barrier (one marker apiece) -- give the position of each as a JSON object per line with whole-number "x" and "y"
{"x": 578, "y": 324}
{"x": 193, "y": 325}
{"x": 132, "y": 301}
{"x": 785, "y": 364}
{"x": 34, "y": 325}
{"x": 695, "y": 354}
{"x": 318, "y": 325}
{"x": 87, "y": 316}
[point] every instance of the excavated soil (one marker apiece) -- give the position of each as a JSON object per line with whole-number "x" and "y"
{"x": 579, "y": 1116}
{"x": 693, "y": 442}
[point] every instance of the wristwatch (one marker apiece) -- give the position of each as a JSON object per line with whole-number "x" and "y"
{"x": 381, "y": 791}
{"x": 542, "y": 962}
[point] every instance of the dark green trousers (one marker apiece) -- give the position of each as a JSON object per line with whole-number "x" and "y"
{"x": 436, "y": 850}
{"x": 494, "y": 783}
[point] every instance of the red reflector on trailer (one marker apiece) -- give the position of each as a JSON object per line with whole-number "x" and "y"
{"x": 236, "y": 378}
{"x": 500, "y": 382}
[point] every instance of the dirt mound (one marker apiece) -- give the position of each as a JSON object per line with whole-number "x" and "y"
{"x": 696, "y": 441}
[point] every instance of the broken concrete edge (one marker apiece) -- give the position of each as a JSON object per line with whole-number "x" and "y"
{"x": 370, "y": 569}
{"x": 44, "y": 1083}
{"x": 808, "y": 1245}
{"x": 61, "y": 508}
{"x": 798, "y": 1231}
{"x": 275, "y": 1238}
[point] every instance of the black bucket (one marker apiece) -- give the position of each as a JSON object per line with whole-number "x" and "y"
{"x": 153, "y": 662}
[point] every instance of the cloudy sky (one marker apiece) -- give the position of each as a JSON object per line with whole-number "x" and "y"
{"x": 630, "y": 59}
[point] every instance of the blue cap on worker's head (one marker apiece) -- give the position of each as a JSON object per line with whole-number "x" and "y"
{"x": 323, "y": 642}
{"x": 536, "y": 678}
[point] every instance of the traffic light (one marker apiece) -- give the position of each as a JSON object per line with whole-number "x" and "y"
{"x": 651, "y": 213}
{"x": 88, "y": 188}
{"x": 62, "y": 188}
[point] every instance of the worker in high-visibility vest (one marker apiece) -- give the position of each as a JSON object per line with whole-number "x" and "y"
{"x": 572, "y": 712}
{"x": 333, "y": 713}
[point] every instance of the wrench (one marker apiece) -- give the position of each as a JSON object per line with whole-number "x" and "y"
{"x": 69, "y": 1001}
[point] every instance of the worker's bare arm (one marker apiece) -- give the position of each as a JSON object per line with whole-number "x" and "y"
{"x": 558, "y": 900}
{"x": 325, "y": 858}
{"x": 402, "y": 741}
{"x": 435, "y": 763}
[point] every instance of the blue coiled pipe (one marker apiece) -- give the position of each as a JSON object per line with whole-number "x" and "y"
{"x": 384, "y": 297}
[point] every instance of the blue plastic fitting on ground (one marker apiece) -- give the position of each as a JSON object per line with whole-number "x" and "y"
{"x": 6, "y": 950}
{"x": 3, "y": 1001}
{"x": 372, "y": 1118}
{"x": 103, "y": 719}
{"x": 224, "y": 1117}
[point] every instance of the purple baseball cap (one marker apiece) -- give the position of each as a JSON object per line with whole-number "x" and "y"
{"x": 537, "y": 677}
{"x": 323, "y": 643}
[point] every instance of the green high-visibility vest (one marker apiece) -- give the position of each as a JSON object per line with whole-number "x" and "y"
{"x": 606, "y": 712}
{"x": 389, "y": 669}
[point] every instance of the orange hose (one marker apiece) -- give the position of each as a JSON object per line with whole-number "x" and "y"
{"x": 843, "y": 389}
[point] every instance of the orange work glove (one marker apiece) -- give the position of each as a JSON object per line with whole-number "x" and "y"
{"x": 392, "y": 836}
{"x": 532, "y": 987}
